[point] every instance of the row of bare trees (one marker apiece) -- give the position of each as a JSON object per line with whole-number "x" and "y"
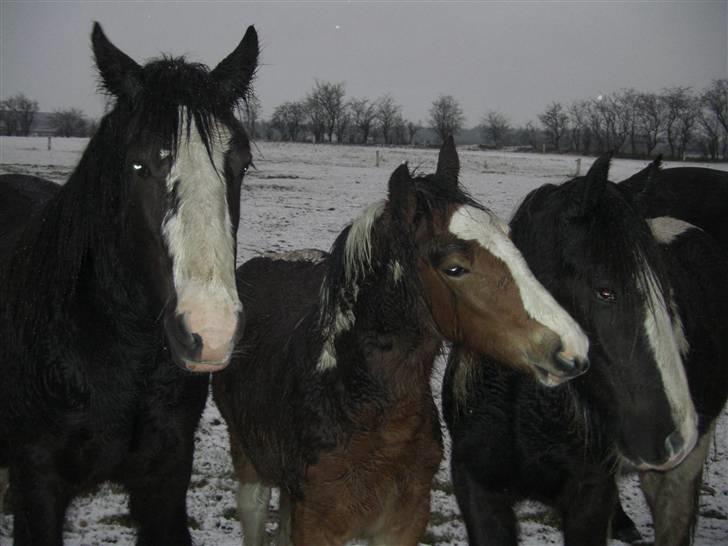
{"x": 676, "y": 121}
{"x": 326, "y": 115}
{"x": 17, "y": 114}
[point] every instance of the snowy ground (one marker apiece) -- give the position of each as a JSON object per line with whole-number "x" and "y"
{"x": 301, "y": 196}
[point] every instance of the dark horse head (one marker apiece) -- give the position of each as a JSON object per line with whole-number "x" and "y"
{"x": 477, "y": 288}
{"x": 589, "y": 246}
{"x": 173, "y": 157}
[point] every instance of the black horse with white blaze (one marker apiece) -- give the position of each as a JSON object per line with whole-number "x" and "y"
{"x": 653, "y": 299}
{"x": 109, "y": 280}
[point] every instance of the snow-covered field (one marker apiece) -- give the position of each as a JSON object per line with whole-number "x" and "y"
{"x": 301, "y": 196}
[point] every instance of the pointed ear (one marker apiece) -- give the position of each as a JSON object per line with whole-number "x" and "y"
{"x": 593, "y": 185}
{"x": 651, "y": 180}
{"x": 120, "y": 75}
{"x": 236, "y": 71}
{"x": 402, "y": 202}
{"x": 638, "y": 181}
{"x": 448, "y": 163}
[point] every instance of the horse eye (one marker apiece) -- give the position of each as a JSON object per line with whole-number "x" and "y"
{"x": 606, "y": 294}
{"x": 455, "y": 271}
{"x": 140, "y": 169}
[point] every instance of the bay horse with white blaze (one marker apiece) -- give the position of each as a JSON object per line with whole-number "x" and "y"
{"x": 328, "y": 394}
{"x": 653, "y": 299}
{"x": 109, "y": 280}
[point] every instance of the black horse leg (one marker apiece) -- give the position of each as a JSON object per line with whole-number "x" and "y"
{"x": 39, "y": 506}
{"x": 158, "y": 473}
{"x": 160, "y": 509}
{"x": 587, "y": 508}
{"x": 489, "y": 516}
{"x": 623, "y": 528}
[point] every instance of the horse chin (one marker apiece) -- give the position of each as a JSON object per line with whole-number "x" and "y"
{"x": 548, "y": 379}
{"x": 205, "y": 366}
{"x": 563, "y": 370}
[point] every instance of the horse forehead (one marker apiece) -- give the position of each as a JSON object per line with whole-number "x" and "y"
{"x": 192, "y": 148}
{"x": 482, "y": 226}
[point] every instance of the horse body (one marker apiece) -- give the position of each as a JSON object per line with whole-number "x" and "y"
{"x": 512, "y": 439}
{"x": 363, "y": 427}
{"x": 340, "y": 413}
{"x": 696, "y": 195}
{"x": 94, "y": 281}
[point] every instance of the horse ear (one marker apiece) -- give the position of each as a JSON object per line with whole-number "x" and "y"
{"x": 638, "y": 181}
{"x": 594, "y": 184}
{"x": 448, "y": 163}
{"x": 120, "y": 75}
{"x": 236, "y": 71}
{"x": 653, "y": 172}
{"x": 401, "y": 194}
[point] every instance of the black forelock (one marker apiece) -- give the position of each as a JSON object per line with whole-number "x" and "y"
{"x": 168, "y": 85}
{"x": 612, "y": 241}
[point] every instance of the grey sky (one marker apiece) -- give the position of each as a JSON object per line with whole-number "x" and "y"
{"x": 515, "y": 57}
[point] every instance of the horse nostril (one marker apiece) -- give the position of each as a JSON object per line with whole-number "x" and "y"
{"x": 581, "y": 365}
{"x": 571, "y": 367}
{"x": 674, "y": 443}
{"x": 196, "y": 346}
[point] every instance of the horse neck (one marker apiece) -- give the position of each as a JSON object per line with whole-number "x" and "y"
{"x": 70, "y": 252}
{"x": 391, "y": 332}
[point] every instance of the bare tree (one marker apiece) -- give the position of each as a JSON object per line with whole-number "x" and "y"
{"x": 555, "y": 122}
{"x": 446, "y": 116}
{"x": 494, "y": 127}
{"x": 326, "y": 105}
{"x": 387, "y": 113}
{"x": 627, "y": 102}
{"x": 578, "y": 123}
{"x": 288, "y": 119}
{"x": 651, "y": 115}
{"x": 412, "y": 129}
{"x": 709, "y": 136}
{"x": 18, "y": 113}
{"x": 363, "y": 115}
{"x": 399, "y": 131}
{"x": 681, "y": 118}
{"x": 342, "y": 124}
{"x": 715, "y": 101}
{"x": 316, "y": 118}
{"x": 69, "y": 122}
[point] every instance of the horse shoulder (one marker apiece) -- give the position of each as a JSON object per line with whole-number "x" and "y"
{"x": 698, "y": 270}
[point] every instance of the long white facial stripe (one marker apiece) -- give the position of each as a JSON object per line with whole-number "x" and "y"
{"x": 471, "y": 223}
{"x": 667, "y": 342}
{"x": 199, "y": 232}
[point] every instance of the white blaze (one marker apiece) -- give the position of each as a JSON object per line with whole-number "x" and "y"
{"x": 471, "y": 223}
{"x": 667, "y": 338}
{"x": 200, "y": 241}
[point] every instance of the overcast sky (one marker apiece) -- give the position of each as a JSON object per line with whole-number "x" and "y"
{"x": 514, "y": 57}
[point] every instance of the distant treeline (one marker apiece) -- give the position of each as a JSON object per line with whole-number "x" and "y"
{"x": 19, "y": 116}
{"x": 677, "y": 122}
